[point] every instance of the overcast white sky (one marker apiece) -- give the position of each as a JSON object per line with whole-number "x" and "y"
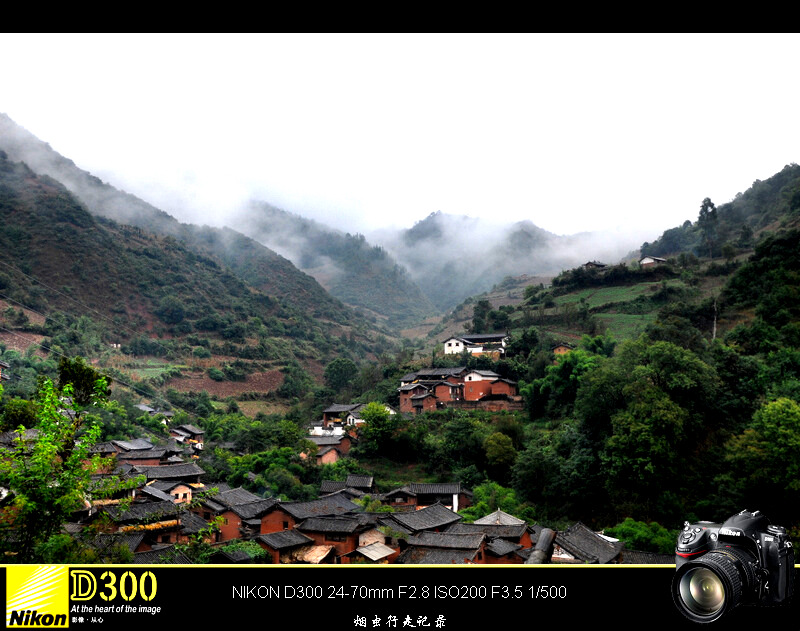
{"x": 573, "y": 132}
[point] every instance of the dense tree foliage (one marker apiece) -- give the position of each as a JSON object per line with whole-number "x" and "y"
{"x": 48, "y": 471}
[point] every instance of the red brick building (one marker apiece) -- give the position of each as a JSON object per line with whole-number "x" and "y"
{"x": 434, "y": 389}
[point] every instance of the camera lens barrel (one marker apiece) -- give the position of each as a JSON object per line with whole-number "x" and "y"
{"x": 706, "y": 588}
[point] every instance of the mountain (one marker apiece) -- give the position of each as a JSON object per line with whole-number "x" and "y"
{"x": 56, "y": 256}
{"x": 767, "y": 205}
{"x": 351, "y": 269}
{"x": 259, "y": 266}
{"x": 452, "y": 257}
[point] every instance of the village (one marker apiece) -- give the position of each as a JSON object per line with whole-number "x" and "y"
{"x": 173, "y": 505}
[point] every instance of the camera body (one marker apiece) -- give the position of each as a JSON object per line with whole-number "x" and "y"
{"x": 744, "y": 560}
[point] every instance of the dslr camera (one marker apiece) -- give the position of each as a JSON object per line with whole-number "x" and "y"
{"x": 745, "y": 560}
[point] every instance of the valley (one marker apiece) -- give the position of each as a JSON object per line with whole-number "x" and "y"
{"x": 286, "y": 357}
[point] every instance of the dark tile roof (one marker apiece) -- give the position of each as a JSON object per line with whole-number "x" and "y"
{"x": 647, "y": 558}
{"x": 235, "y": 497}
{"x": 143, "y": 454}
{"x": 10, "y": 437}
{"x": 144, "y": 511}
{"x": 171, "y": 471}
{"x": 192, "y": 524}
{"x": 334, "y": 504}
{"x": 410, "y": 387}
{"x": 501, "y": 547}
{"x": 337, "y": 408}
{"x": 285, "y": 539}
{"x": 499, "y": 517}
{"x": 430, "y": 489}
{"x": 103, "y": 448}
{"x": 167, "y": 485}
{"x": 428, "y": 518}
{"x": 223, "y": 556}
{"x": 156, "y": 494}
{"x": 105, "y": 542}
{"x": 327, "y": 440}
{"x": 417, "y": 555}
{"x": 133, "y": 444}
{"x": 486, "y": 373}
{"x": 447, "y": 540}
{"x": 331, "y": 486}
{"x": 484, "y": 337}
{"x": 441, "y": 373}
{"x": 360, "y": 481}
{"x": 254, "y": 510}
{"x": 192, "y": 429}
{"x": 329, "y": 524}
{"x": 490, "y": 530}
{"x": 586, "y": 545}
{"x": 166, "y": 555}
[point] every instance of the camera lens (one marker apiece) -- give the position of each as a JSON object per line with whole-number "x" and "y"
{"x": 702, "y": 591}
{"x": 706, "y": 588}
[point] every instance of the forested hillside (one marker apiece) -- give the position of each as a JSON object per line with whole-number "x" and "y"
{"x": 454, "y": 257}
{"x": 719, "y": 230}
{"x": 249, "y": 260}
{"x": 356, "y": 272}
{"x": 76, "y": 284}
{"x": 677, "y": 396}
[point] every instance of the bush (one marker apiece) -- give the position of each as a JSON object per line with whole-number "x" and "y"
{"x": 647, "y": 537}
{"x": 216, "y": 374}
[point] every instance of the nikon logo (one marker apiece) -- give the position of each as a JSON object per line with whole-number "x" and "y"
{"x": 35, "y": 619}
{"x": 728, "y": 531}
{"x": 37, "y": 596}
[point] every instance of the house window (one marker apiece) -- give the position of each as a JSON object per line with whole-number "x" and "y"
{"x": 286, "y": 525}
{"x": 331, "y": 537}
{"x": 164, "y": 538}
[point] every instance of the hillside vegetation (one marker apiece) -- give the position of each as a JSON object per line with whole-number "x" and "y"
{"x": 250, "y": 261}
{"x": 679, "y": 398}
{"x": 357, "y": 273}
{"x": 85, "y": 285}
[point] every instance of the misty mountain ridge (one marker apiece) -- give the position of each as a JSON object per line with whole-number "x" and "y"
{"x": 354, "y": 271}
{"x": 405, "y": 274}
{"x": 256, "y": 264}
{"x": 452, "y": 257}
{"x": 394, "y": 276}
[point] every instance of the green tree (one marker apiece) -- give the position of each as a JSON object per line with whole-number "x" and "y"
{"x": 600, "y": 344}
{"x": 500, "y": 454}
{"x": 645, "y": 536}
{"x": 340, "y": 374}
{"x": 296, "y": 381}
{"x": 83, "y": 378}
{"x": 766, "y": 458}
{"x": 480, "y": 316}
{"x": 555, "y": 392}
{"x": 17, "y": 412}
{"x": 170, "y": 310}
{"x": 643, "y": 455}
{"x": 378, "y": 430}
{"x": 491, "y": 496}
{"x": 707, "y": 221}
{"x": 49, "y": 475}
